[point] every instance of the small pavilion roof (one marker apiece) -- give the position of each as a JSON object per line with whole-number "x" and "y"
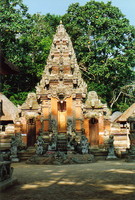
{"x": 127, "y": 113}
{"x": 9, "y": 110}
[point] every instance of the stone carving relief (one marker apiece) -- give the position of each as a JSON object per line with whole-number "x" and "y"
{"x": 39, "y": 145}
{"x": 30, "y": 115}
{"x": 94, "y": 108}
{"x": 31, "y": 102}
{"x": 93, "y": 101}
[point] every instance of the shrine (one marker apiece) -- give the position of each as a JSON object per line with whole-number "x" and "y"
{"x": 61, "y": 105}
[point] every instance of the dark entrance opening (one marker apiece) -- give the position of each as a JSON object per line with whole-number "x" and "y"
{"x": 94, "y": 132}
{"x": 61, "y": 106}
{"x": 31, "y": 137}
{"x": 62, "y": 116}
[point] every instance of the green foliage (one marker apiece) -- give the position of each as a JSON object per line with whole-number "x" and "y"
{"x": 18, "y": 98}
{"x": 36, "y": 43}
{"x": 104, "y": 45}
{"x": 25, "y": 41}
{"x": 102, "y": 37}
{"x": 13, "y": 21}
{"x": 122, "y": 106}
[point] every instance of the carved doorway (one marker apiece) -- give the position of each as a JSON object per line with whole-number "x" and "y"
{"x": 94, "y": 132}
{"x": 31, "y": 136}
{"x": 62, "y": 116}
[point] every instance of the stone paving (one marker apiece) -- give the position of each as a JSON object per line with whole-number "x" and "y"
{"x": 102, "y": 180}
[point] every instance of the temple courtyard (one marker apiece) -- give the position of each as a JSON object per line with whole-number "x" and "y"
{"x": 101, "y": 180}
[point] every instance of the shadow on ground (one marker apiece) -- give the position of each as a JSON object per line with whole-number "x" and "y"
{"x": 102, "y": 180}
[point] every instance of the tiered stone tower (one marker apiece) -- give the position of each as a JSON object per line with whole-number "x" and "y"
{"x": 61, "y": 75}
{"x": 61, "y": 88}
{"x": 57, "y": 106}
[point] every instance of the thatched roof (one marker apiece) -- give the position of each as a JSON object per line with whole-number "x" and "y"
{"x": 127, "y": 113}
{"x": 9, "y": 110}
{"x": 131, "y": 118}
{"x": 115, "y": 116}
{"x": 7, "y": 67}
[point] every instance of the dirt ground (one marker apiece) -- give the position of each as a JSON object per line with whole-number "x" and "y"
{"x": 102, "y": 180}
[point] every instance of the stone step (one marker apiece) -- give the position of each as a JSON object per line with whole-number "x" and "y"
{"x": 62, "y": 143}
{"x": 99, "y": 154}
{"x": 24, "y": 155}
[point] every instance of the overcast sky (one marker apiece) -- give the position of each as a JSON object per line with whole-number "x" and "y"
{"x": 59, "y": 7}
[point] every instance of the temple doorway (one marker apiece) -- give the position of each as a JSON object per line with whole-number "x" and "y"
{"x": 62, "y": 116}
{"x": 31, "y": 137}
{"x": 94, "y": 132}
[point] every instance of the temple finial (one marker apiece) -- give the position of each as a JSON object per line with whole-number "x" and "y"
{"x": 60, "y": 21}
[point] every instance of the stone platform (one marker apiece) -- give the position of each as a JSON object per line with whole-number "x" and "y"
{"x": 58, "y": 158}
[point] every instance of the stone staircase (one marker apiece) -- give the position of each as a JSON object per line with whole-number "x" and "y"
{"x": 100, "y": 154}
{"x": 62, "y": 143}
{"x": 26, "y": 154}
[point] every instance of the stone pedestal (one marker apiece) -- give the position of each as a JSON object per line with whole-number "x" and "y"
{"x": 131, "y": 151}
{"x": 111, "y": 157}
{"x": 6, "y": 171}
{"x": 7, "y": 183}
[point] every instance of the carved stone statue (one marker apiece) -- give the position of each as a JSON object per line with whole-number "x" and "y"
{"x": 5, "y": 170}
{"x": 69, "y": 126}
{"x": 53, "y": 144}
{"x": 70, "y": 142}
{"x": 111, "y": 153}
{"x": 54, "y": 126}
{"x": 83, "y": 146}
{"x": 40, "y": 145}
{"x": 20, "y": 144}
{"x": 14, "y": 149}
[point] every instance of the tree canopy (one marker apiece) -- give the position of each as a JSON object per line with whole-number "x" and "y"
{"x": 104, "y": 43}
{"x": 25, "y": 41}
{"x": 102, "y": 37}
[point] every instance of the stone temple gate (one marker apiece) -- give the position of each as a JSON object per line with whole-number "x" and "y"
{"x": 57, "y": 106}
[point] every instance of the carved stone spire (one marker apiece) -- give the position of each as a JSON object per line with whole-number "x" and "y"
{"x": 62, "y": 70}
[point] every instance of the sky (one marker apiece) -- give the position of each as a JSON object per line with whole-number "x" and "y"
{"x": 59, "y": 7}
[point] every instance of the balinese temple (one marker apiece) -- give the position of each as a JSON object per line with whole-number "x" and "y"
{"x": 62, "y": 104}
